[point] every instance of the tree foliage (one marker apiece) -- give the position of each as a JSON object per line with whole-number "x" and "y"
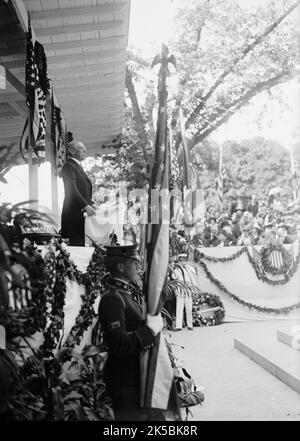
{"x": 252, "y": 166}
{"x": 226, "y": 55}
{"x": 238, "y": 54}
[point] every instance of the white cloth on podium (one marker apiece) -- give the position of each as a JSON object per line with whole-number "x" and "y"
{"x": 108, "y": 220}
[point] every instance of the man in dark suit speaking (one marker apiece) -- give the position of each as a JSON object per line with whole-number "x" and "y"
{"x": 78, "y": 195}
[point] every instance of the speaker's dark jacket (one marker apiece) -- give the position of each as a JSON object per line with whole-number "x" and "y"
{"x": 126, "y": 336}
{"x": 78, "y": 194}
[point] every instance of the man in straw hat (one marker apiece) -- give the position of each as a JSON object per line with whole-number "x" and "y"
{"x": 125, "y": 332}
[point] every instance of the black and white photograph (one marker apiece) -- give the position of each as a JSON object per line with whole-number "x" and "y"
{"x": 149, "y": 214}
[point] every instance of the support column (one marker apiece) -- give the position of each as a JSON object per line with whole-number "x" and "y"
{"x": 54, "y": 187}
{"x": 33, "y": 182}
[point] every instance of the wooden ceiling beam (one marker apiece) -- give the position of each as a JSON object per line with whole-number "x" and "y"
{"x": 78, "y": 28}
{"x": 13, "y": 80}
{"x": 98, "y": 108}
{"x": 92, "y": 55}
{"x": 10, "y": 122}
{"x": 6, "y": 52}
{"x": 108, "y": 103}
{"x": 16, "y": 64}
{"x": 105, "y": 68}
{"x": 99, "y": 79}
{"x": 19, "y": 107}
{"x": 87, "y": 67}
{"x": 9, "y": 139}
{"x": 119, "y": 42}
{"x": 6, "y": 97}
{"x": 102, "y": 89}
{"x": 105, "y": 8}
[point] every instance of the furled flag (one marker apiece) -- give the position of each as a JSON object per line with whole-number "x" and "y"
{"x": 186, "y": 153}
{"x": 37, "y": 86}
{"x": 157, "y": 377}
{"x": 220, "y": 179}
{"x": 193, "y": 198}
{"x": 175, "y": 195}
{"x": 58, "y": 134}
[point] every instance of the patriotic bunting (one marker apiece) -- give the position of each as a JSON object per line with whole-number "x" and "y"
{"x": 37, "y": 87}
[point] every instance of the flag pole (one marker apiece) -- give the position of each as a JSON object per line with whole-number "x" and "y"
{"x": 294, "y": 176}
{"x": 156, "y": 369}
{"x": 32, "y": 168}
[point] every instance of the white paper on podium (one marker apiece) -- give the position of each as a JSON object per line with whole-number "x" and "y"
{"x": 109, "y": 219}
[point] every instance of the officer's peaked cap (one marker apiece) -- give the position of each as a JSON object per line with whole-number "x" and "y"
{"x": 127, "y": 251}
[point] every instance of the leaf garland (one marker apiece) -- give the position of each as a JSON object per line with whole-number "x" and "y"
{"x": 249, "y": 305}
{"x": 267, "y": 265}
{"x": 198, "y": 255}
{"x": 92, "y": 281}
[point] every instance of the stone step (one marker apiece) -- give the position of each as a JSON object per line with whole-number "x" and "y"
{"x": 280, "y": 360}
{"x": 287, "y": 338}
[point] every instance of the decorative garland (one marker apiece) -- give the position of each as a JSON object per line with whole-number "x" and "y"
{"x": 64, "y": 268}
{"x": 198, "y": 255}
{"x": 213, "y": 317}
{"x": 283, "y": 310}
{"x": 266, "y": 262}
{"x": 26, "y": 286}
{"x": 92, "y": 281}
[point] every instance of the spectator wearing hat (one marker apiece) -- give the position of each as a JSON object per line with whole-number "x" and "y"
{"x": 125, "y": 333}
{"x": 282, "y": 234}
{"x": 211, "y": 233}
{"x": 252, "y": 206}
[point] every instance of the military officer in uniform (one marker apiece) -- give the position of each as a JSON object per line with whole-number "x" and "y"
{"x": 125, "y": 332}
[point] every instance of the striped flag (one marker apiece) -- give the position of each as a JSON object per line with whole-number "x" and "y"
{"x": 186, "y": 153}
{"x": 175, "y": 172}
{"x": 157, "y": 377}
{"x": 193, "y": 197}
{"x": 58, "y": 134}
{"x": 220, "y": 179}
{"x": 276, "y": 259}
{"x": 37, "y": 86}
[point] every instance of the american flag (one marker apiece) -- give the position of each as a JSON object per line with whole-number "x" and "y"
{"x": 175, "y": 172}
{"x": 276, "y": 259}
{"x": 58, "y": 134}
{"x": 157, "y": 377}
{"x": 220, "y": 179}
{"x": 37, "y": 86}
{"x": 186, "y": 153}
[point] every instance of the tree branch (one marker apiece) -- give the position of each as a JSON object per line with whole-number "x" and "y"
{"x": 238, "y": 58}
{"x": 137, "y": 115}
{"x": 204, "y": 16}
{"x": 220, "y": 117}
{"x": 231, "y": 67}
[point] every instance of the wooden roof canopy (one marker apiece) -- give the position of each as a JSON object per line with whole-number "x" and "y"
{"x": 85, "y": 43}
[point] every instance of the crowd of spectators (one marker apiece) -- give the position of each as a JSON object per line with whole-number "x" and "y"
{"x": 247, "y": 221}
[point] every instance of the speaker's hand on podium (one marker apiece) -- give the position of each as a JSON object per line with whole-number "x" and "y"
{"x": 89, "y": 210}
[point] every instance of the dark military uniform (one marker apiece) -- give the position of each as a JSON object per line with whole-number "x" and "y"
{"x": 126, "y": 336}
